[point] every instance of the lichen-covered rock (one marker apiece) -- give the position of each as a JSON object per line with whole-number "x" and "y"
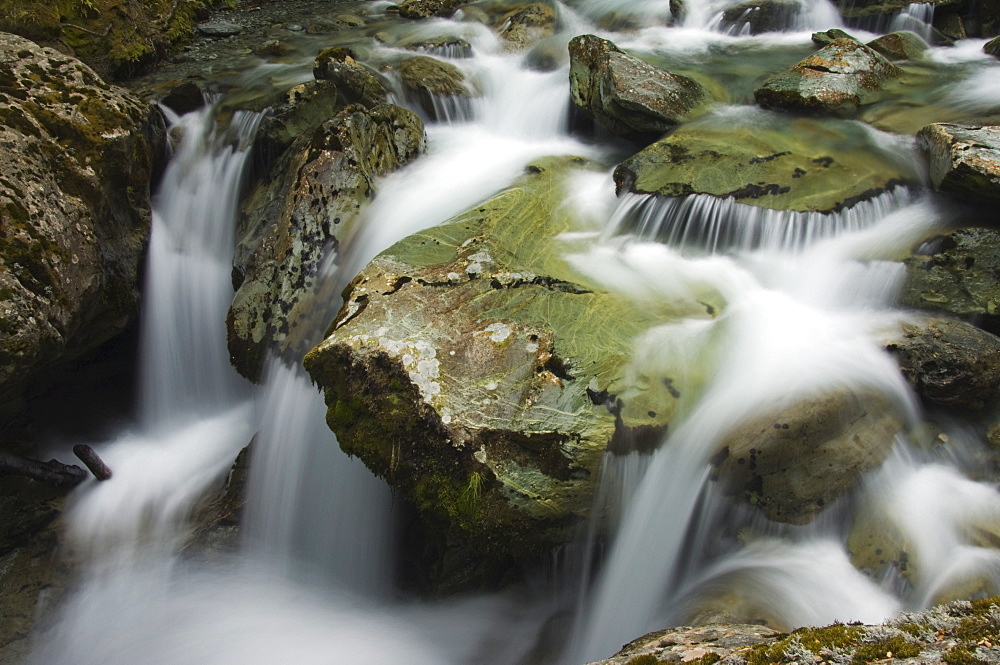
{"x": 808, "y": 165}
{"x": 312, "y": 192}
{"x": 473, "y": 370}
{"x": 956, "y": 274}
{"x": 76, "y": 158}
{"x": 434, "y": 83}
{"x": 525, "y": 26}
{"x": 837, "y": 79}
{"x": 625, "y": 94}
{"x": 686, "y": 644}
{"x": 355, "y": 82}
{"x": 417, "y": 9}
{"x": 902, "y": 45}
{"x": 759, "y": 16}
{"x": 949, "y": 363}
{"x": 798, "y": 459}
{"x": 964, "y": 160}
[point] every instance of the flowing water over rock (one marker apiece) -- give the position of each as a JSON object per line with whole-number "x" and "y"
{"x": 768, "y": 330}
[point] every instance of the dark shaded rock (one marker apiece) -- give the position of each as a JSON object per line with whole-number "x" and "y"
{"x": 627, "y": 95}
{"x": 813, "y": 165}
{"x": 273, "y": 48}
{"x": 77, "y": 160}
{"x": 798, "y": 459}
{"x": 314, "y": 190}
{"x": 956, "y": 274}
{"x": 479, "y": 376}
{"x": 759, "y": 16}
{"x": 949, "y": 363}
{"x": 525, "y": 26}
{"x": 963, "y": 160}
{"x": 417, "y": 9}
{"x": 992, "y": 47}
{"x": 357, "y": 84}
{"x": 184, "y": 98}
{"x": 903, "y": 45}
{"x": 836, "y": 79}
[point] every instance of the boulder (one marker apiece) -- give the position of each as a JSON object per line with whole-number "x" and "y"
{"x": 809, "y": 165}
{"x": 477, "y": 374}
{"x": 794, "y": 461}
{"x": 837, "y": 79}
{"x": 902, "y": 45}
{"x": 418, "y": 9}
{"x": 759, "y": 16}
{"x": 525, "y": 26}
{"x": 76, "y": 156}
{"x": 295, "y": 212}
{"x": 992, "y": 47}
{"x": 829, "y": 36}
{"x": 955, "y": 274}
{"x": 963, "y": 160}
{"x": 357, "y": 84}
{"x": 443, "y": 46}
{"x": 949, "y": 363}
{"x": 436, "y": 85}
{"x": 627, "y": 95}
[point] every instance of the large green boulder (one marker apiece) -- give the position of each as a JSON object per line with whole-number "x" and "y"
{"x": 477, "y": 373}
{"x": 628, "y": 96}
{"x": 902, "y": 45}
{"x": 76, "y": 159}
{"x": 804, "y": 165}
{"x": 964, "y": 160}
{"x": 296, "y": 213}
{"x": 837, "y": 79}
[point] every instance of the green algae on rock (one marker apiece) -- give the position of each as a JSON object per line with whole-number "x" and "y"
{"x": 76, "y": 157}
{"x": 472, "y": 352}
{"x": 313, "y": 191}
{"x": 769, "y": 161}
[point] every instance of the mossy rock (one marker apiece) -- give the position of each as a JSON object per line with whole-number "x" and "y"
{"x": 525, "y": 26}
{"x": 903, "y": 45}
{"x": 476, "y": 372}
{"x": 807, "y": 165}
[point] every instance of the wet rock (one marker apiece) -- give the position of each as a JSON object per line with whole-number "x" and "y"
{"x": 829, "y": 36}
{"x": 759, "y": 16}
{"x": 417, "y": 9}
{"x": 184, "y": 98}
{"x": 273, "y": 48}
{"x": 357, "y": 84}
{"x": 313, "y": 191}
{"x": 949, "y": 363}
{"x": 627, "y": 95}
{"x": 444, "y": 46}
{"x": 992, "y": 47}
{"x": 525, "y": 26}
{"x": 806, "y": 166}
{"x": 796, "y": 460}
{"x": 963, "y": 160}
{"x": 837, "y": 79}
{"x": 479, "y": 376}
{"x": 433, "y": 83}
{"x": 955, "y": 274}
{"x": 77, "y": 158}
{"x": 218, "y": 29}
{"x": 903, "y": 45}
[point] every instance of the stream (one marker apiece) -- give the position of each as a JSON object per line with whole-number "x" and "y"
{"x": 314, "y": 576}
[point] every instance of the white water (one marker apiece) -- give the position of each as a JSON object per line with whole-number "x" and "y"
{"x": 798, "y": 311}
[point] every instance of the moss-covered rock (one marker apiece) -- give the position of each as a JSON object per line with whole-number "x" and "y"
{"x": 418, "y": 9}
{"x": 436, "y": 85}
{"x": 902, "y": 45}
{"x": 956, "y": 274}
{"x": 837, "y": 79}
{"x": 473, "y": 370}
{"x": 296, "y": 213}
{"x": 992, "y": 47}
{"x": 767, "y": 161}
{"x": 963, "y": 160}
{"x": 76, "y": 158}
{"x": 525, "y": 26}
{"x": 625, "y": 94}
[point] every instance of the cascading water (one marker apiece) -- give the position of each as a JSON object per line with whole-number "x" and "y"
{"x": 798, "y": 301}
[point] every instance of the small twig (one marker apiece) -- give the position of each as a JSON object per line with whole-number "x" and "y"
{"x": 170, "y": 15}
{"x": 93, "y": 461}
{"x": 87, "y": 30}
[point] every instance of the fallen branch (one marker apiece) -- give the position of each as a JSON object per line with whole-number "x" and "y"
{"x": 87, "y": 30}
{"x": 93, "y": 461}
{"x": 52, "y": 472}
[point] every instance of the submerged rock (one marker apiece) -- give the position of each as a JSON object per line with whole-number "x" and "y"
{"x": 76, "y": 157}
{"x": 627, "y": 95}
{"x": 903, "y": 45}
{"x": 296, "y": 213}
{"x": 949, "y": 363}
{"x": 759, "y": 16}
{"x": 837, "y": 79}
{"x": 478, "y": 375}
{"x": 808, "y": 165}
{"x": 793, "y": 462}
{"x": 964, "y": 160}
